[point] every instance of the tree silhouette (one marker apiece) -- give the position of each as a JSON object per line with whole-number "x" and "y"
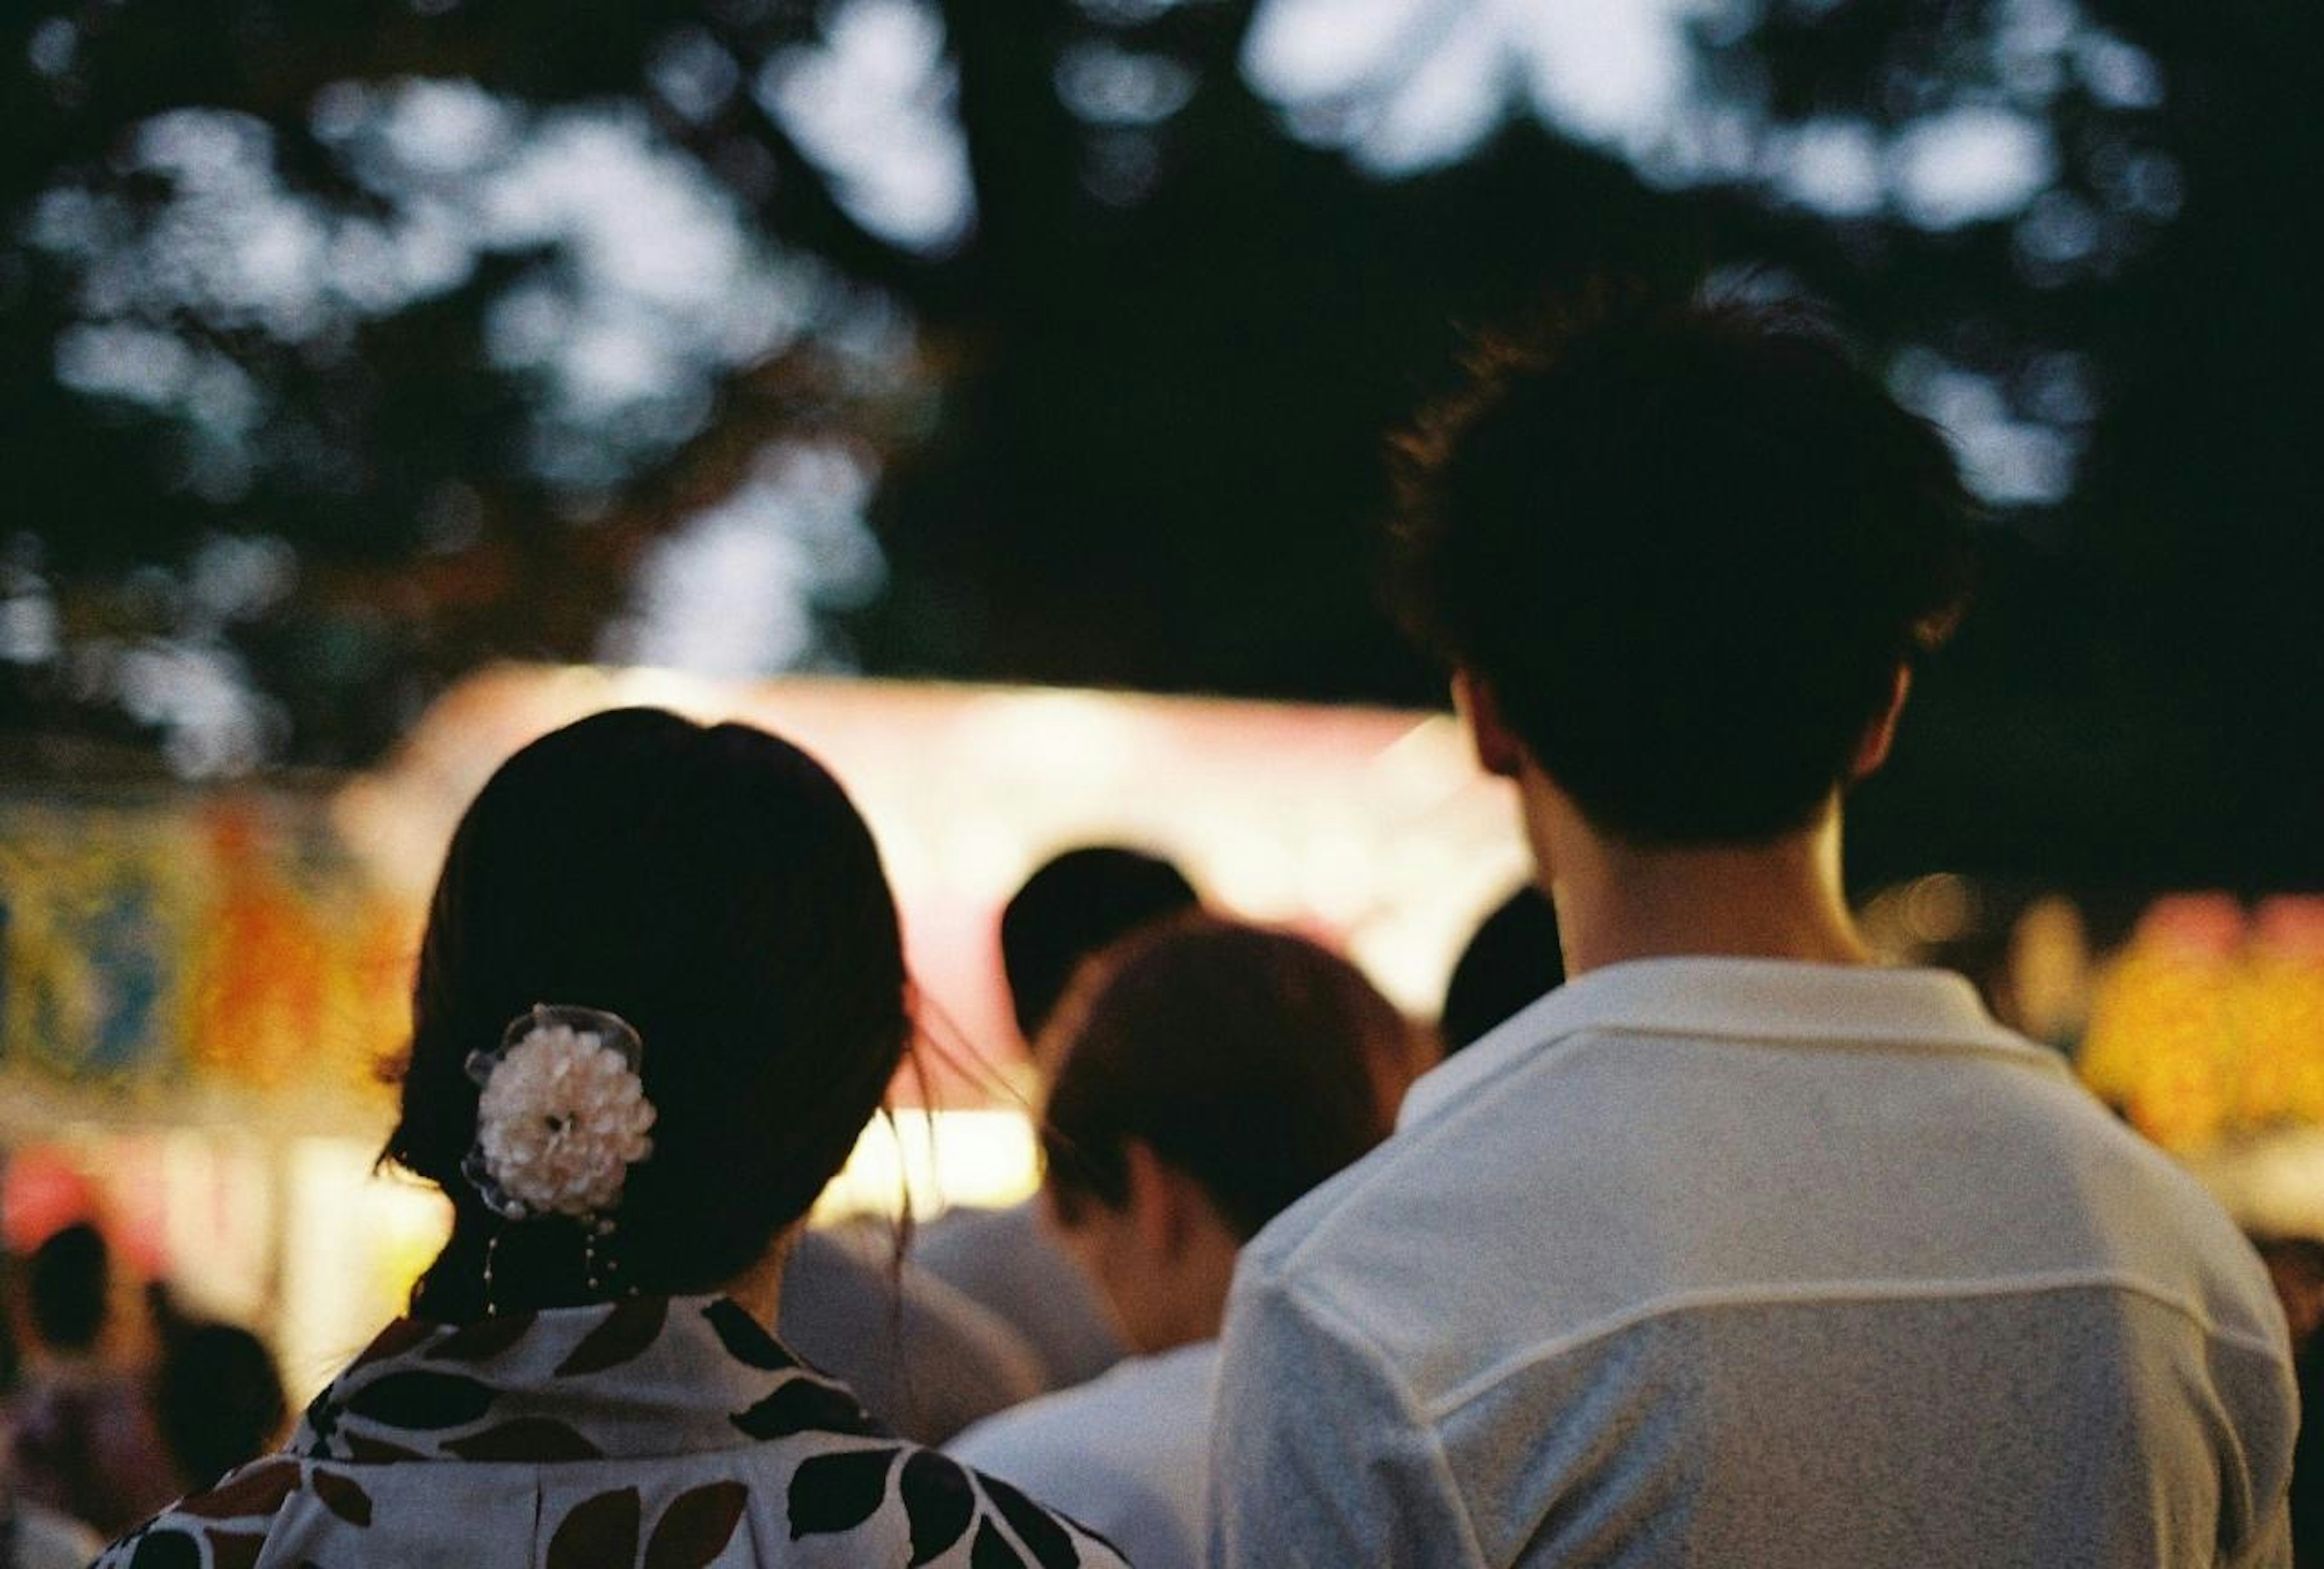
{"x": 1118, "y": 312}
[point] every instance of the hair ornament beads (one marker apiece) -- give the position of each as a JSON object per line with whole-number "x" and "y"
{"x": 561, "y": 1118}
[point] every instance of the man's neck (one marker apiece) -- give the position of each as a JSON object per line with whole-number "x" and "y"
{"x": 1780, "y": 900}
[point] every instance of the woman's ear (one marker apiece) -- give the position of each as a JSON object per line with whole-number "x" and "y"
{"x": 1499, "y": 753}
{"x": 1872, "y": 749}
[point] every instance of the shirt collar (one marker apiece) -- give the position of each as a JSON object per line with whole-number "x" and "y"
{"x": 1767, "y": 1001}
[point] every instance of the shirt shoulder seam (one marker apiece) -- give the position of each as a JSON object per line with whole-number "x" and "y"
{"x": 1789, "y": 1292}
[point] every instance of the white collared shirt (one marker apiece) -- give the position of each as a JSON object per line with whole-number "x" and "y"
{"x": 1127, "y": 1454}
{"x": 1740, "y": 1263}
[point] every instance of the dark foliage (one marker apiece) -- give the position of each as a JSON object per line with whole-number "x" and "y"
{"x": 1137, "y": 436}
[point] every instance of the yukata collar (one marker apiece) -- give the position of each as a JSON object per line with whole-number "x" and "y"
{"x": 641, "y": 1377}
{"x": 661, "y": 1388}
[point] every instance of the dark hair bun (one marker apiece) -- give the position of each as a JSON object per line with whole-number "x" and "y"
{"x": 714, "y": 887}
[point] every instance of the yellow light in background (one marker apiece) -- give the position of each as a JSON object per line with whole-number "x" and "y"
{"x": 2273, "y": 1185}
{"x": 984, "y": 1159}
{"x": 2159, "y": 1044}
{"x": 984, "y": 854}
{"x": 1338, "y": 880}
{"x": 1939, "y": 909}
{"x": 352, "y": 1242}
{"x": 1250, "y": 872}
{"x": 218, "y": 1204}
{"x": 2050, "y": 969}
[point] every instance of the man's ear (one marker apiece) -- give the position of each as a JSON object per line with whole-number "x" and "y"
{"x": 1162, "y": 1201}
{"x": 1051, "y": 1209}
{"x": 1872, "y": 749}
{"x": 1499, "y": 753}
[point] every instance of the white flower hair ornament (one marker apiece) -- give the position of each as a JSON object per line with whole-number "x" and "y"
{"x": 561, "y": 1118}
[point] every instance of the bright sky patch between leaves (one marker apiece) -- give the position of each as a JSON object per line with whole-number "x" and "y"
{"x": 645, "y": 285}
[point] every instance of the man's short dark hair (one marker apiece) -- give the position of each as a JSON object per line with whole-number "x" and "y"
{"x": 1073, "y": 905}
{"x": 1686, "y": 546}
{"x": 66, "y": 1286}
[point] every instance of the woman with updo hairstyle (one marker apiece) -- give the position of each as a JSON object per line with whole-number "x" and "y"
{"x": 662, "y": 989}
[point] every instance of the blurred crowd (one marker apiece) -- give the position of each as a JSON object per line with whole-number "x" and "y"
{"x": 117, "y": 1400}
{"x": 1067, "y": 1344}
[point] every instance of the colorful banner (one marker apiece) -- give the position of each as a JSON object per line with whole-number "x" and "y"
{"x": 223, "y": 945}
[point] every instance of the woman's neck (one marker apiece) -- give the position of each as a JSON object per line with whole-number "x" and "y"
{"x": 759, "y": 1290}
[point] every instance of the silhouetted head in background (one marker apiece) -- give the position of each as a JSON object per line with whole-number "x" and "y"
{"x": 1683, "y": 550}
{"x": 217, "y": 1399}
{"x": 1511, "y": 961}
{"x": 2308, "y": 1461}
{"x": 68, "y": 1283}
{"x": 1073, "y": 905}
{"x": 2295, "y": 1267}
{"x": 1207, "y": 1074}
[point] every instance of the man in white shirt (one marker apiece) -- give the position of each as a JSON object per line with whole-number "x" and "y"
{"x": 1207, "y": 1076}
{"x": 1736, "y": 1249}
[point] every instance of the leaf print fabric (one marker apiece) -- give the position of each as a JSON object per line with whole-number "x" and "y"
{"x": 599, "y": 1534}
{"x": 807, "y": 1406}
{"x": 745, "y": 1339}
{"x": 168, "y": 1550}
{"x": 648, "y": 1434}
{"x": 627, "y": 1331}
{"x": 534, "y": 1438}
{"x": 422, "y": 1400}
{"x": 697, "y": 1527}
{"x": 938, "y": 1501}
{"x": 838, "y": 1492}
{"x": 235, "y": 1549}
{"x": 1051, "y": 1545}
{"x": 482, "y": 1340}
{"x": 835, "y": 1494}
{"x": 254, "y": 1490}
{"x": 342, "y": 1496}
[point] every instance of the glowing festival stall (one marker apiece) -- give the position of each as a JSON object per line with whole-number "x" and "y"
{"x": 2208, "y": 1031}
{"x": 200, "y": 991}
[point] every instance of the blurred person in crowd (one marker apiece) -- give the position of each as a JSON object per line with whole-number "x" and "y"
{"x": 660, "y": 992}
{"x": 1070, "y": 907}
{"x": 12, "y": 1309}
{"x": 923, "y": 1358}
{"x": 2308, "y": 1461}
{"x": 1510, "y": 960}
{"x": 32, "y": 1535}
{"x": 35, "y": 1537}
{"x": 2295, "y": 1267}
{"x": 1205, "y": 1076}
{"x": 217, "y": 1399}
{"x": 83, "y": 1443}
{"x": 1735, "y": 1248}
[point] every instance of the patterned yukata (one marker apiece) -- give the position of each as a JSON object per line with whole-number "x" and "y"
{"x": 657, "y": 1433}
